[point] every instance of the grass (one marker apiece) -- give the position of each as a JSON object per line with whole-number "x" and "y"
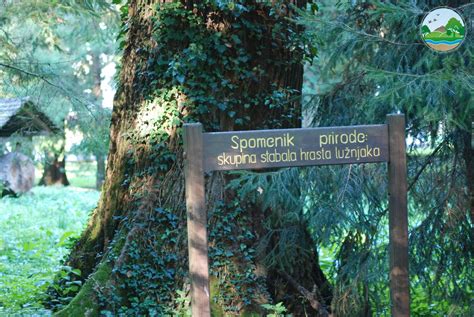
{"x": 81, "y": 174}
{"x": 35, "y": 231}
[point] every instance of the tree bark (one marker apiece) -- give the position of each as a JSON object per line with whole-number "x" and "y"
{"x": 467, "y": 151}
{"x": 133, "y": 250}
{"x": 54, "y": 172}
{"x": 97, "y": 93}
{"x": 100, "y": 174}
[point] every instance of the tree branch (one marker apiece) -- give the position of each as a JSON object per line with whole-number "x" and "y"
{"x": 310, "y": 296}
{"x": 49, "y": 82}
{"x": 427, "y": 162}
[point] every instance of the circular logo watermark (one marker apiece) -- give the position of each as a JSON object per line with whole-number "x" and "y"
{"x": 443, "y": 29}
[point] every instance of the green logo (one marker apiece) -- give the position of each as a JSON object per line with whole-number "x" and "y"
{"x": 443, "y": 29}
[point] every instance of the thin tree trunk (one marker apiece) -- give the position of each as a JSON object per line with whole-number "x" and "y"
{"x": 100, "y": 174}
{"x": 54, "y": 172}
{"x": 97, "y": 93}
{"x": 468, "y": 156}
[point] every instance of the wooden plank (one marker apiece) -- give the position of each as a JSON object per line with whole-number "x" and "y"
{"x": 295, "y": 147}
{"x": 196, "y": 220}
{"x": 398, "y": 218}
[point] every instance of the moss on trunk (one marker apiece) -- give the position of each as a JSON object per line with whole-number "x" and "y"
{"x": 85, "y": 303}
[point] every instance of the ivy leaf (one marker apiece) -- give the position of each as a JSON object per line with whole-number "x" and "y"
{"x": 180, "y": 78}
{"x": 236, "y": 39}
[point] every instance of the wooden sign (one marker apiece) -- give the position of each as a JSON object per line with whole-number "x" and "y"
{"x": 295, "y": 147}
{"x": 206, "y": 152}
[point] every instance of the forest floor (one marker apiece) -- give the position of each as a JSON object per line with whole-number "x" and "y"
{"x": 36, "y": 233}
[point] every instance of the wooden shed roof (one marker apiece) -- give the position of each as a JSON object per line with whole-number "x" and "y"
{"x": 21, "y": 116}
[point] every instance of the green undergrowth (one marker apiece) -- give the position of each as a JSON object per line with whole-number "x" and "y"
{"x": 36, "y": 232}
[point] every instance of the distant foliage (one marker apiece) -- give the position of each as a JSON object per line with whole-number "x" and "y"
{"x": 53, "y": 56}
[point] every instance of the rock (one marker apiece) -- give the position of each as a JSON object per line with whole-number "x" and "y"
{"x": 17, "y": 172}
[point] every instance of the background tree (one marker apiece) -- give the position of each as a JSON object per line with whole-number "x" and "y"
{"x": 372, "y": 62}
{"x": 40, "y": 59}
{"x": 99, "y": 53}
{"x": 21, "y": 72}
{"x": 229, "y": 65}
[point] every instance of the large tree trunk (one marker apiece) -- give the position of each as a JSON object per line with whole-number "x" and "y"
{"x": 229, "y": 68}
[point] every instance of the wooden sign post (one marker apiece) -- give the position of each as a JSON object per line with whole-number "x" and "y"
{"x": 398, "y": 217}
{"x": 237, "y": 150}
{"x": 197, "y": 220}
